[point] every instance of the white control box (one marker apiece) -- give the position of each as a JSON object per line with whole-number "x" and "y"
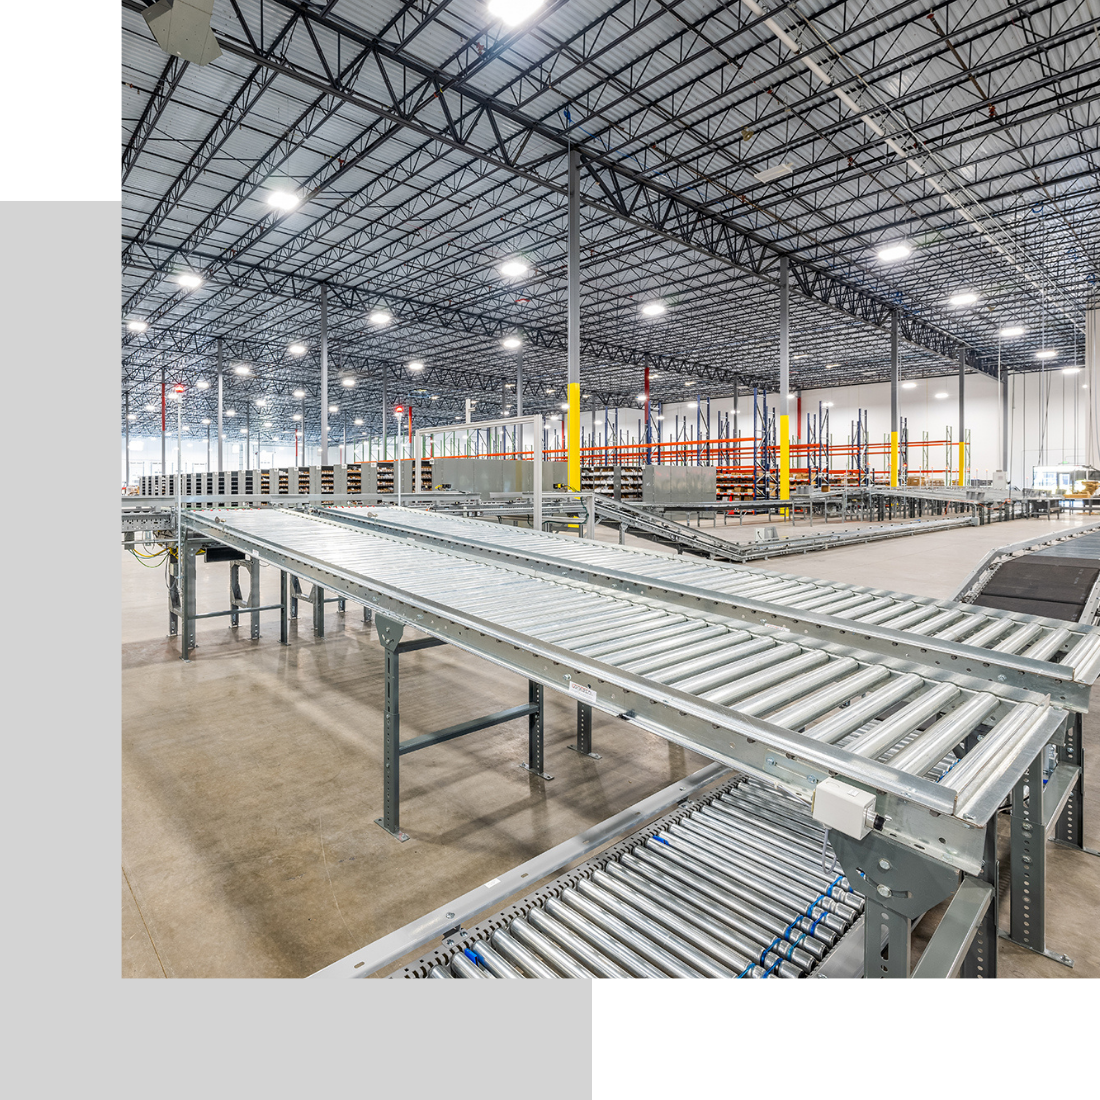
{"x": 843, "y": 807}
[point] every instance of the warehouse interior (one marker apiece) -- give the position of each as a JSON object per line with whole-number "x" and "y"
{"x": 725, "y": 372}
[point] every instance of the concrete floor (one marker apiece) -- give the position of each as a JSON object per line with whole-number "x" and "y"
{"x": 251, "y": 779}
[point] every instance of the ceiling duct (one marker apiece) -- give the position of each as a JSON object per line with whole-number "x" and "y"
{"x": 182, "y": 29}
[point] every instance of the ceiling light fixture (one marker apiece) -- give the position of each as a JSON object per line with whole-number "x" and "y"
{"x": 511, "y": 342}
{"x": 513, "y": 269}
{"x": 349, "y": 382}
{"x": 1071, "y": 370}
{"x": 137, "y": 326}
{"x": 416, "y": 364}
{"x": 230, "y": 412}
{"x": 202, "y": 384}
{"x": 282, "y": 200}
{"x": 778, "y": 172}
{"x": 940, "y": 396}
{"x": 908, "y": 385}
{"x": 299, "y": 393}
{"x": 188, "y": 281}
{"x": 965, "y": 299}
{"x": 654, "y": 309}
{"x": 297, "y": 349}
{"x": 1011, "y": 331}
{"x": 296, "y": 416}
{"x": 242, "y": 369}
{"x": 379, "y": 317}
{"x": 891, "y": 253}
{"x": 513, "y": 12}
{"x": 1047, "y": 353}
{"x": 358, "y": 423}
{"x": 334, "y": 408}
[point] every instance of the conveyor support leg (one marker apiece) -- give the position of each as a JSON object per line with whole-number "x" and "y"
{"x": 584, "y": 732}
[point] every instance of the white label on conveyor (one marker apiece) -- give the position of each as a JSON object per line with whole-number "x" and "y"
{"x": 586, "y": 693}
{"x": 491, "y": 882}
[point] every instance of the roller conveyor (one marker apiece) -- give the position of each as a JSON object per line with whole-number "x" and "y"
{"x": 693, "y": 895}
{"x": 769, "y": 701}
{"x": 1043, "y": 654}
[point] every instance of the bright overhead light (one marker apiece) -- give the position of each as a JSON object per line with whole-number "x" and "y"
{"x": 889, "y": 253}
{"x": 653, "y": 309}
{"x": 829, "y": 366}
{"x": 296, "y": 416}
{"x": 908, "y": 385}
{"x": 791, "y": 396}
{"x": 297, "y": 349}
{"x": 261, "y": 402}
{"x": 267, "y": 423}
{"x": 299, "y": 393}
{"x": 940, "y": 396}
{"x": 202, "y": 384}
{"x": 349, "y": 382}
{"x": 206, "y": 422}
{"x": 513, "y": 12}
{"x": 1047, "y": 353}
{"x": 379, "y": 317}
{"x": 242, "y": 369}
{"x": 511, "y": 342}
{"x": 693, "y": 404}
{"x": 793, "y": 357}
{"x": 565, "y": 407}
{"x": 514, "y": 268}
{"x": 416, "y": 365}
{"x": 282, "y": 200}
{"x": 189, "y": 281}
{"x": 435, "y": 396}
{"x": 358, "y": 422}
{"x": 641, "y": 397}
{"x": 778, "y": 172}
{"x": 137, "y": 326}
{"x": 550, "y": 392}
{"x": 1012, "y": 330}
{"x": 965, "y": 299}
{"x": 230, "y": 412}
{"x": 826, "y": 404}
{"x": 1071, "y": 370}
{"x": 334, "y": 408}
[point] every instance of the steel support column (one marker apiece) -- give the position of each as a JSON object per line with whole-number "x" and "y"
{"x": 221, "y": 410}
{"x": 962, "y": 415}
{"x": 895, "y": 379}
{"x": 519, "y": 384}
{"x": 324, "y": 375}
{"x": 784, "y": 379}
{"x": 573, "y": 337}
{"x": 126, "y": 440}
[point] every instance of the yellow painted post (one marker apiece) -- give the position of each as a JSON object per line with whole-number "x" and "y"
{"x": 574, "y": 437}
{"x": 894, "y": 465}
{"x": 784, "y": 458}
{"x": 962, "y": 462}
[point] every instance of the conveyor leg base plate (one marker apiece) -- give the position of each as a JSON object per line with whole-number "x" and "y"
{"x": 592, "y": 755}
{"x": 399, "y": 835}
{"x": 541, "y": 775}
{"x": 1057, "y": 956}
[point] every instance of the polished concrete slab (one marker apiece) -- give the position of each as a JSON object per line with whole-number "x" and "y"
{"x": 251, "y": 779}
